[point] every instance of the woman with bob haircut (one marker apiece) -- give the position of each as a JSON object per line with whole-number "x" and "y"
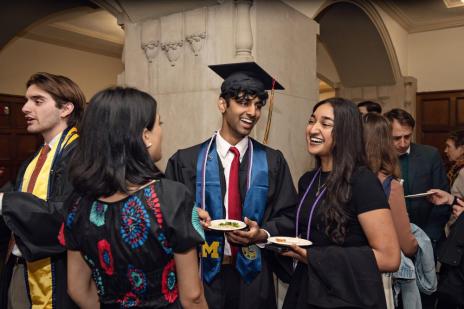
{"x": 131, "y": 235}
{"x": 343, "y": 211}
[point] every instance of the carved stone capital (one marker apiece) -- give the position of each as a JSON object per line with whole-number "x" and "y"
{"x": 151, "y": 49}
{"x": 172, "y": 50}
{"x": 196, "y": 41}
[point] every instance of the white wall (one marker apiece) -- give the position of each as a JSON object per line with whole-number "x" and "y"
{"x": 22, "y": 57}
{"x": 435, "y": 58}
{"x": 399, "y": 38}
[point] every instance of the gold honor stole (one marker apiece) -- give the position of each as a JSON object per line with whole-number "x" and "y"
{"x": 39, "y": 273}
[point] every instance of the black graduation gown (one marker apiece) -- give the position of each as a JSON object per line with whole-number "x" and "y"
{"x": 278, "y": 217}
{"x": 35, "y": 224}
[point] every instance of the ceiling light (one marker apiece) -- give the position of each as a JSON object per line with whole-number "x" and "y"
{"x": 453, "y": 3}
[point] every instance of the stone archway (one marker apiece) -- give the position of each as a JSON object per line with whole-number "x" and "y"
{"x": 357, "y": 57}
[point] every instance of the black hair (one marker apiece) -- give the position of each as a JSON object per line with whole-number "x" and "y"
{"x": 402, "y": 116}
{"x": 457, "y": 137}
{"x": 348, "y": 153}
{"x": 111, "y": 152}
{"x": 371, "y": 106}
{"x": 243, "y": 90}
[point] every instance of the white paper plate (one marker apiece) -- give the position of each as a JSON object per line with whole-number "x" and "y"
{"x": 419, "y": 195}
{"x": 288, "y": 241}
{"x": 227, "y": 225}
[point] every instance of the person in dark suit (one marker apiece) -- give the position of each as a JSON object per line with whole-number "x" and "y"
{"x": 236, "y": 177}
{"x": 422, "y": 169}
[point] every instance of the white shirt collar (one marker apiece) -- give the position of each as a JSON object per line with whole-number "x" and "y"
{"x": 54, "y": 140}
{"x": 223, "y": 146}
{"x": 408, "y": 152}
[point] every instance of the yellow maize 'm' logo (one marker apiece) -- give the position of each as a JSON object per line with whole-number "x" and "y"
{"x": 211, "y": 250}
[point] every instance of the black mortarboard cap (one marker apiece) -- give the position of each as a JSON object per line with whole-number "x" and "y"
{"x": 245, "y": 74}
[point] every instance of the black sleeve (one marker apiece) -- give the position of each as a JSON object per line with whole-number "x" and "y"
{"x": 367, "y": 192}
{"x": 182, "y": 225}
{"x": 282, "y": 202}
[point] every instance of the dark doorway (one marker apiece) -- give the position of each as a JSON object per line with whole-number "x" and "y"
{"x": 439, "y": 113}
{"x": 16, "y": 144}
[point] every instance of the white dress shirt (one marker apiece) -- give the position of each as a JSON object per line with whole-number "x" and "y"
{"x": 226, "y": 156}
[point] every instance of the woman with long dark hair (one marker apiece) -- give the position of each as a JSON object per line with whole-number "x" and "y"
{"x": 344, "y": 212}
{"x": 131, "y": 235}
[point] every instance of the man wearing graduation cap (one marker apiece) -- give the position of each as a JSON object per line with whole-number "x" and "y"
{"x": 235, "y": 177}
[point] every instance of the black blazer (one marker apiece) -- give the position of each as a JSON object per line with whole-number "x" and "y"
{"x": 426, "y": 171}
{"x": 451, "y": 255}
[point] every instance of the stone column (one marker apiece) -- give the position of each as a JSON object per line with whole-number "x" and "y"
{"x": 243, "y": 36}
{"x": 175, "y": 70}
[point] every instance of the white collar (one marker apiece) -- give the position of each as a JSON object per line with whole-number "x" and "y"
{"x": 408, "y": 152}
{"x": 54, "y": 140}
{"x": 223, "y": 146}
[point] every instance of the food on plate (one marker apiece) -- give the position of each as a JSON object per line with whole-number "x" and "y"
{"x": 229, "y": 224}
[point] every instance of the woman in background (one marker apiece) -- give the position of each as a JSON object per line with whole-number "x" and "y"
{"x": 344, "y": 212}
{"x": 383, "y": 161}
{"x": 454, "y": 150}
{"x": 131, "y": 235}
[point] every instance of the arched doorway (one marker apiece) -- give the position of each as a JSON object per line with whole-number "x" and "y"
{"x": 356, "y": 57}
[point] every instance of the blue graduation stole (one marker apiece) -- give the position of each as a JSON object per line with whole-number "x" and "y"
{"x": 209, "y": 196}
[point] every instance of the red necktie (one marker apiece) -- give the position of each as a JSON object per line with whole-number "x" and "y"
{"x": 40, "y": 162}
{"x": 234, "y": 203}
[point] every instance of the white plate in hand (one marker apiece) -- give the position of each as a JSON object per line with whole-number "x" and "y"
{"x": 226, "y": 225}
{"x": 288, "y": 241}
{"x": 419, "y": 195}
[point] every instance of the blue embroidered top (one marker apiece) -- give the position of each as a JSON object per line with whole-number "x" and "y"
{"x": 129, "y": 244}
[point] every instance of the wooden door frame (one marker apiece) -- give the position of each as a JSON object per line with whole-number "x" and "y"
{"x": 436, "y": 95}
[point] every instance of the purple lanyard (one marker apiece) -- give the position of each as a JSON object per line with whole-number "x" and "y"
{"x": 312, "y": 207}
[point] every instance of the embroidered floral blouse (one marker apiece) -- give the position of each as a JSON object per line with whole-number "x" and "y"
{"x": 129, "y": 244}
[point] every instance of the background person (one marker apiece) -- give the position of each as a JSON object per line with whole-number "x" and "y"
{"x": 383, "y": 161}
{"x": 454, "y": 150}
{"x": 369, "y": 107}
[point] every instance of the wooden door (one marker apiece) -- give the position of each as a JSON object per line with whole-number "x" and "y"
{"x": 16, "y": 144}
